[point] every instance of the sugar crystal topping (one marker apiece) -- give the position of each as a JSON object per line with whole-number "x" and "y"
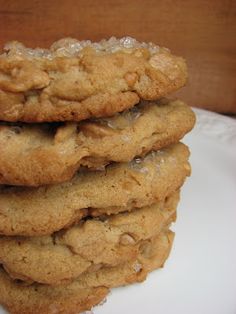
{"x": 137, "y": 267}
{"x": 140, "y": 164}
{"x": 72, "y": 47}
{"x": 121, "y": 120}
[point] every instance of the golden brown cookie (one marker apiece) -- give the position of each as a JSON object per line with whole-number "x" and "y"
{"x": 38, "y": 299}
{"x": 91, "y": 245}
{"x": 87, "y": 291}
{"x": 121, "y": 187}
{"x": 76, "y": 80}
{"x": 48, "y": 154}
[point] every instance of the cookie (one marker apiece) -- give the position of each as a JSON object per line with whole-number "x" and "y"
{"x": 121, "y": 187}
{"x": 37, "y": 299}
{"x": 75, "y": 80}
{"x": 87, "y": 291}
{"x": 91, "y": 245}
{"x": 49, "y": 155}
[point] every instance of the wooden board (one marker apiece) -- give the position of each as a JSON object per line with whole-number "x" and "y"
{"x": 201, "y": 31}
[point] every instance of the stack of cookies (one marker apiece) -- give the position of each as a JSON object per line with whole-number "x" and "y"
{"x": 90, "y": 169}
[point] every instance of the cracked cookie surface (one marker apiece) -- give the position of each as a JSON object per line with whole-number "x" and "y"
{"x": 89, "y": 289}
{"x": 50, "y": 154}
{"x": 76, "y": 80}
{"x": 88, "y": 246}
{"x": 121, "y": 187}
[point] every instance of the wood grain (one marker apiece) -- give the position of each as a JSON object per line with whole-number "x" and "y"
{"x": 201, "y": 31}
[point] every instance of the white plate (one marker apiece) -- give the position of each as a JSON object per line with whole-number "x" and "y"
{"x": 200, "y": 275}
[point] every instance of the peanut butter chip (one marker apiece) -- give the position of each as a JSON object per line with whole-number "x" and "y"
{"x": 96, "y": 130}
{"x": 126, "y": 239}
{"x": 146, "y": 249}
{"x": 131, "y": 78}
{"x": 65, "y": 132}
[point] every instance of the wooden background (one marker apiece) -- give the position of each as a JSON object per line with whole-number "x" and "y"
{"x": 204, "y": 32}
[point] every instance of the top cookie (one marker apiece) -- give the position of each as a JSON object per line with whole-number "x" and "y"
{"x": 76, "y": 80}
